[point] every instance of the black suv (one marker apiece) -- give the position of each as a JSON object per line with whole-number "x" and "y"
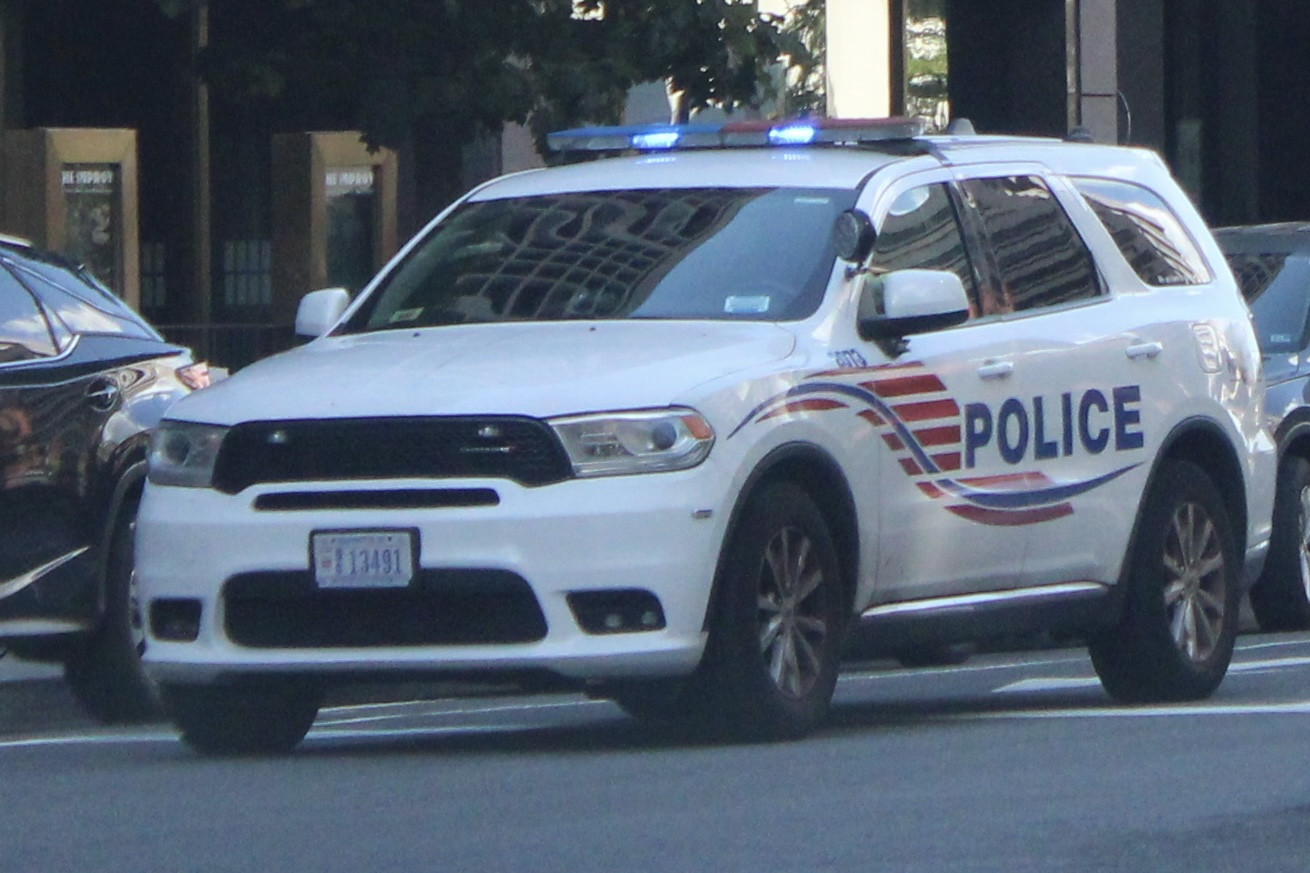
{"x": 1272, "y": 266}
{"x": 82, "y": 380}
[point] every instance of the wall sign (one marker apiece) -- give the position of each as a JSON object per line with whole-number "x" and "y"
{"x": 93, "y": 219}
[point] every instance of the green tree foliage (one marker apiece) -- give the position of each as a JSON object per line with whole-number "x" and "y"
{"x": 436, "y": 74}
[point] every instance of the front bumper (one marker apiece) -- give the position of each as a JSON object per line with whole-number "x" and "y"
{"x": 657, "y": 532}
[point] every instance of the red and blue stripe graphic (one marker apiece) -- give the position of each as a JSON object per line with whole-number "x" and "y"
{"x": 920, "y": 423}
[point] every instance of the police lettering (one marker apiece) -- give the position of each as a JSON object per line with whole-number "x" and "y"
{"x": 1045, "y": 430}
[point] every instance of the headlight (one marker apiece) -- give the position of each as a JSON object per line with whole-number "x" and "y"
{"x": 183, "y": 454}
{"x": 641, "y": 441}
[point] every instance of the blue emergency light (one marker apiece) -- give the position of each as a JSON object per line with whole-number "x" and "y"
{"x": 794, "y": 132}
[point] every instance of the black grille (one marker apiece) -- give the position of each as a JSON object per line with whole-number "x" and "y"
{"x": 520, "y": 449}
{"x": 442, "y": 607}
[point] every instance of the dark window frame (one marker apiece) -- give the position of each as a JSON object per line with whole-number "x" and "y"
{"x": 994, "y": 297}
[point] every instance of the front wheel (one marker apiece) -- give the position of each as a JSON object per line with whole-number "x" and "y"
{"x": 241, "y": 720}
{"x": 1281, "y": 598}
{"x": 105, "y": 673}
{"x": 1175, "y": 638}
{"x": 775, "y": 636}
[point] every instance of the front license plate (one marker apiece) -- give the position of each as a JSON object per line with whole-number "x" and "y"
{"x": 363, "y": 559}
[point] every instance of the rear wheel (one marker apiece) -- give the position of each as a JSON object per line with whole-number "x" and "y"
{"x": 1175, "y": 638}
{"x": 771, "y": 661}
{"x": 241, "y": 720}
{"x": 105, "y": 673}
{"x": 1281, "y": 599}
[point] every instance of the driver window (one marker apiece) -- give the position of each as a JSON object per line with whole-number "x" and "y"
{"x": 921, "y": 231}
{"x": 24, "y": 333}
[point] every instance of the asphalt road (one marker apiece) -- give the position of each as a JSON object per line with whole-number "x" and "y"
{"x": 1005, "y": 763}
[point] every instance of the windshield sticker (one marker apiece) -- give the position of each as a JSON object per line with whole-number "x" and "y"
{"x": 405, "y": 315}
{"x": 737, "y": 305}
{"x": 811, "y": 201}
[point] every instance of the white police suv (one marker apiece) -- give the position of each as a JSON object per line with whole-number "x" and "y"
{"x": 676, "y": 426}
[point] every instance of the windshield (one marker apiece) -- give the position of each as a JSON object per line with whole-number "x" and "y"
{"x": 1277, "y": 287}
{"x": 761, "y": 254}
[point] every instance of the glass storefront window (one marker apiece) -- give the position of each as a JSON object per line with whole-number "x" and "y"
{"x": 926, "y": 69}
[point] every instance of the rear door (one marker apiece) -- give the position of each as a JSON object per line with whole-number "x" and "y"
{"x": 1088, "y": 398}
{"x": 46, "y": 415}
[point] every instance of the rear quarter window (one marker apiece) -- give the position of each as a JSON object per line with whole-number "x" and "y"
{"x": 1147, "y": 232}
{"x": 24, "y": 332}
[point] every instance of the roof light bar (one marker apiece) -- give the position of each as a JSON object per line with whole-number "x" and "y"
{"x": 795, "y": 132}
{"x": 643, "y": 137}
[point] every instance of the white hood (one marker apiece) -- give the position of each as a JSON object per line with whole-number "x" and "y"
{"x": 534, "y": 369}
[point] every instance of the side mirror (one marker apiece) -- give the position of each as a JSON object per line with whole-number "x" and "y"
{"x": 906, "y": 302}
{"x": 853, "y": 236}
{"x": 319, "y": 310}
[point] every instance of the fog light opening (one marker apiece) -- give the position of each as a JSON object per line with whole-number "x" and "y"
{"x": 175, "y": 620}
{"x": 617, "y": 610}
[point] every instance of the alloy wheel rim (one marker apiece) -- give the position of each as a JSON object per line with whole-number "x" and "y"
{"x": 792, "y": 628}
{"x": 1195, "y": 586}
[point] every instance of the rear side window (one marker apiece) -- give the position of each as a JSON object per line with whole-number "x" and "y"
{"x": 24, "y": 333}
{"x": 1147, "y": 232}
{"x": 1037, "y": 256}
{"x": 83, "y": 307}
{"x": 1255, "y": 272}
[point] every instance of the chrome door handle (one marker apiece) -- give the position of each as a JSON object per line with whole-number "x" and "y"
{"x": 996, "y": 370}
{"x": 1144, "y": 350}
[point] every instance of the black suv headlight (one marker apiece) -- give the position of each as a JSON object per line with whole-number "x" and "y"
{"x": 183, "y": 453}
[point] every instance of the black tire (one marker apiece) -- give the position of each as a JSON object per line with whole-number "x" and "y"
{"x": 771, "y": 661}
{"x": 1175, "y": 638}
{"x": 105, "y": 672}
{"x": 1281, "y": 597}
{"x": 241, "y": 720}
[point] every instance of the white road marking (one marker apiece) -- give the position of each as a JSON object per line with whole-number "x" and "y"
{"x": 1059, "y": 683}
{"x": 429, "y": 710}
{"x": 1048, "y": 683}
{"x": 900, "y": 673}
{"x": 1300, "y": 708}
{"x": 335, "y": 721}
{"x": 379, "y": 733}
{"x": 1273, "y": 664}
{"x": 90, "y": 739}
{"x": 1273, "y": 644}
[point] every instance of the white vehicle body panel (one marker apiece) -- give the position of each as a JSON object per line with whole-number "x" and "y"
{"x": 1057, "y": 506}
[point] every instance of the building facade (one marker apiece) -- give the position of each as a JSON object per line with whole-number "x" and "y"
{"x": 1213, "y": 85}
